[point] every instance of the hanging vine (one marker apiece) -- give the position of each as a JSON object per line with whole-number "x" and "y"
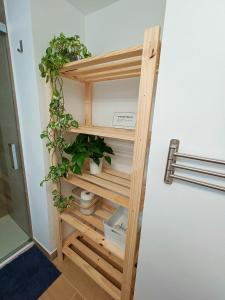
{"x": 61, "y": 50}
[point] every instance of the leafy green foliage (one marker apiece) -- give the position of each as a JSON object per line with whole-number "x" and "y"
{"x": 87, "y": 146}
{"x": 61, "y": 50}
{"x": 60, "y": 201}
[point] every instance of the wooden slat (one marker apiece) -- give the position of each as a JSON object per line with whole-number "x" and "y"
{"x": 116, "y": 261}
{"x": 110, "y": 132}
{"x": 114, "y": 77}
{"x": 104, "y": 214}
{"x": 88, "y": 103}
{"x": 95, "y": 236}
{"x": 113, "y": 291}
{"x": 115, "y": 179}
{"x": 112, "y": 56}
{"x": 96, "y": 75}
{"x": 113, "y": 65}
{"x": 97, "y": 261}
{"x": 117, "y": 188}
{"x": 146, "y": 92}
{"x": 92, "y": 220}
{"x": 100, "y": 191}
{"x": 116, "y": 173}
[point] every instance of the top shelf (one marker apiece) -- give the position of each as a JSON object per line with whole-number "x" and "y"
{"x": 120, "y": 64}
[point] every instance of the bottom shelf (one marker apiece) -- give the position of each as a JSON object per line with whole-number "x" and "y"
{"x": 95, "y": 263}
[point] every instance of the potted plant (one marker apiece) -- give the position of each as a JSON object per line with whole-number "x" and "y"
{"x": 61, "y": 50}
{"x": 92, "y": 147}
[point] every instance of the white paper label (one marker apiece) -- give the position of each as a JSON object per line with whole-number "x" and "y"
{"x": 124, "y": 120}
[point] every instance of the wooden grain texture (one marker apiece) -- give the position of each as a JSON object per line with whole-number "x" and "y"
{"x": 113, "y": 291}
{"x": 110, "y": 132}
{"x": 96, "y": 260}
{"x": 110, "y": 185}
{"x": 98, "y": 190}
{"x": 121, "y": 71}
{"x": 95, "y": 236}
{"x": 88, "y": 103}
{"x": 146, "y": 92}
{"x": 110, "y": 66}
{"x": 114, "y": 77}
{"x": 96, "y": 60}
{"x": 114, "y": 260}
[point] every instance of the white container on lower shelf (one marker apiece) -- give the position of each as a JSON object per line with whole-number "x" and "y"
{"x": 116, "y": 226}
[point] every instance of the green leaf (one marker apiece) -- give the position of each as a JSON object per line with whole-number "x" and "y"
{"x": 108, "y": 159}
{"x": 96, "y": 160}
{"x": 76, "y": 169}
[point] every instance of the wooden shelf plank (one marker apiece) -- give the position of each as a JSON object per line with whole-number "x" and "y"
{"x": 99, "y": 190}
{"x": 115, "y": 179}
{"x": 111, "y": 289}
{"x": 91, "y": 220}
{"x": 96, "y": 260}
{"x": 110, "y": 185}
{"x": 111, "y": 66}
{"x": 117, "y": 173}
{"x": 101, "y": 59}
{"x": 92, "y": 234}
{"x": 110, "y": 132}
{"x": 122, "y": 71}
{"x": 113, "y": 77}
{"x": 103, "y": 212}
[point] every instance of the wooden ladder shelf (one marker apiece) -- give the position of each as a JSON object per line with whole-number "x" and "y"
{"x": 109, "y": 266}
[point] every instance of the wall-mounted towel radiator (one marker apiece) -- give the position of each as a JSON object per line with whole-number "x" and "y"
{"x": 172, "y": 165}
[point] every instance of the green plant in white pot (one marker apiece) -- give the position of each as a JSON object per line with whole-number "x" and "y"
{"x": 92, "y": 147}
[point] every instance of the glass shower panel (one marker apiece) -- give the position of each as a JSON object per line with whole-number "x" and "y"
{"x": 15, "y": 229}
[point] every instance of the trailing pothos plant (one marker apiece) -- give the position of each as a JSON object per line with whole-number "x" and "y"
{"x": 87, "y": 146}
{"x": 61, "y": 50}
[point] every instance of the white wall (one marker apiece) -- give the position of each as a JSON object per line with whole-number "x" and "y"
{"x": 182, "y": 253}
{"x": 35, "y": 22}
{"x": 119, "y": 26}
{"x": 122, "y": 24}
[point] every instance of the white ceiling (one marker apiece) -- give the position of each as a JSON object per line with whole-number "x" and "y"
{"x": 89, "y": 6}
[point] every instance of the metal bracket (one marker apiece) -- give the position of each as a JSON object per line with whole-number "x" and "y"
{"x": 171, "y": 166}
{"x": 171, "y": 159}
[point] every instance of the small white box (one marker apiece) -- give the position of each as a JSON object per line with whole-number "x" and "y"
{"x": 116, "y": 226}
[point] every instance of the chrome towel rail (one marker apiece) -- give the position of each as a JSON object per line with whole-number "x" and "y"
{"x": 171, "y": 166}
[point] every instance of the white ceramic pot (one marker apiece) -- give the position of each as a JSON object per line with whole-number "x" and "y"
{"x": 94, "y": 168}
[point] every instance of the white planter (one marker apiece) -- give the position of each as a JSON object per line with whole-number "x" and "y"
{"x": 94, "y": 168}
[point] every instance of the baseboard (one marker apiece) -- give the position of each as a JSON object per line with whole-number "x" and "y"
{"x": 50, "y": 254}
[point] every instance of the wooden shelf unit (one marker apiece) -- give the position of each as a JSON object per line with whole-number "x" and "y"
{"x": 109, "y": 186}
{"x": 110, "y": 132}
{"x": 115, "y": 65}
{"x": 88, "y": 248}
{"x": 107, "y": 265}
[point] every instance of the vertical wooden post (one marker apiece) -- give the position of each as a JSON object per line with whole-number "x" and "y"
{"x": 58, "y": 220}
{"x": 146, "y": 92}
{"x": 88, "y": 87}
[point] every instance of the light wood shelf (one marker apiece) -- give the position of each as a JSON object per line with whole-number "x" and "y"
{"x": 112, "y": 186}
{"x": 110, "y": 267}
{"x": 115, "y": 65}
{"x": 94, "y": 264}
{"x": 110, "y": 132}
{"x": 87, "y": 247}
{"x": 92, "y": 228}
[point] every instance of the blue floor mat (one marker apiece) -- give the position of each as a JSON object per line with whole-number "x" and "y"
{"x": 27, "y": 277}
